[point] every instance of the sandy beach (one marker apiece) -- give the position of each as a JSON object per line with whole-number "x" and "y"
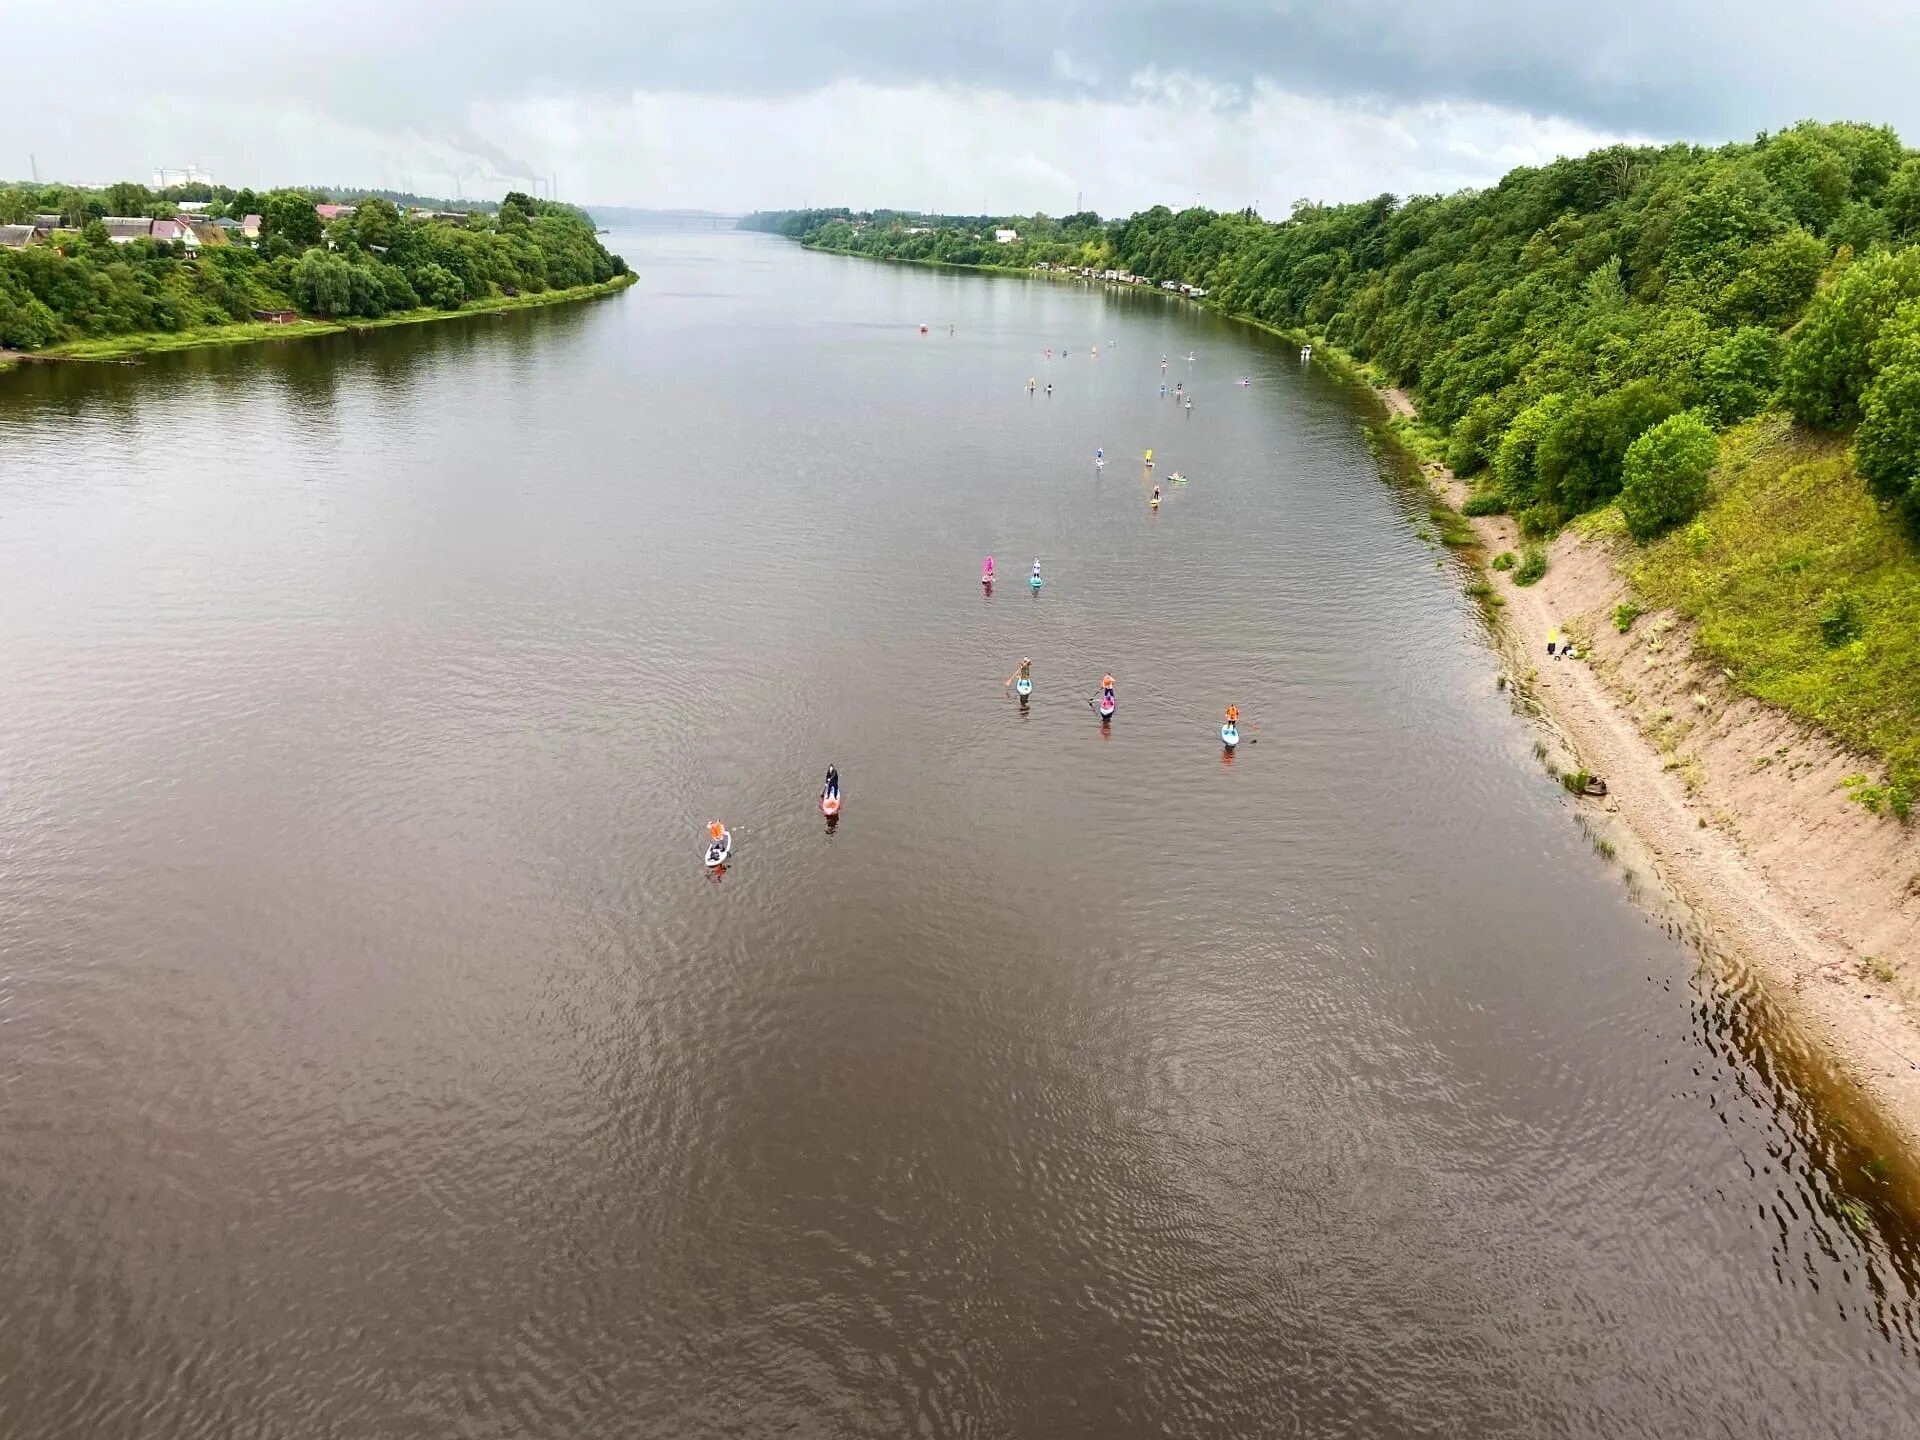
{"x": 1736, "y": 809}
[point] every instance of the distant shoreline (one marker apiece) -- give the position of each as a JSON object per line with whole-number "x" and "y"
{"x": 120, "y": 347}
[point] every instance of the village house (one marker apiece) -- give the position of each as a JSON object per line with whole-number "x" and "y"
{"x": 169, "y": 230}
{"x": 335, "y": 212}
{"x": 250, "y": 226}
{"x": 15, "y": 237}
{"x": 45, "y": 225}
{"x": 1005, "y": 237}
{"x": 123, "y": 229}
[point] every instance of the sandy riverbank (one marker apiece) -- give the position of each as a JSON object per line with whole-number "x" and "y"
{"x": 1739, "y": 812}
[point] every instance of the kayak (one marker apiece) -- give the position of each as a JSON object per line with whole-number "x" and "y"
{"x": 1023, "y": 688}
{"x": 1106, "y": 708}
{"x": 1034, "y": 581}
{"x": 720, "y": 850}
{"x": 830, "y": 805}
{"x": 1229, "y": 736}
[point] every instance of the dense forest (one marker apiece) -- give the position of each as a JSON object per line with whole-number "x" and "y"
{"x": 77, "y": 284}
{"x": 1575, "y": 329}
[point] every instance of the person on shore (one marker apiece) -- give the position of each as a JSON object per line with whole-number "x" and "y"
{"x": 1553, "y": 641}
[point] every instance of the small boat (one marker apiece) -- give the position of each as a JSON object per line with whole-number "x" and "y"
{"x": 1106, "y": 707}
{"x": 1229, "y": 735}
{"x": 1023, "y": 687}
{"x": 720, "y": 851}
{"x": 830, "y": 806}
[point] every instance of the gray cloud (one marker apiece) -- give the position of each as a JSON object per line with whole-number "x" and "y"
{"x": 1685, "y": 67}
{"x": 418, "y": 72}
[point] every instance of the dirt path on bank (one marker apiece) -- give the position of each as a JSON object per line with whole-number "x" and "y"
{"x": 1738, "y": 811}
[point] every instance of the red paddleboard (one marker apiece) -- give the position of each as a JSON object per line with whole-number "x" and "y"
{"x": 829, "y": 805}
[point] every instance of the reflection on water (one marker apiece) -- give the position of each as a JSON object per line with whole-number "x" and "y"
{"x": 379, "y": 1058}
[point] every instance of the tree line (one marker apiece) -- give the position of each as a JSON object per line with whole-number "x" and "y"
{"x": 376, "y": 261}
{"x": 1576, "y": 331}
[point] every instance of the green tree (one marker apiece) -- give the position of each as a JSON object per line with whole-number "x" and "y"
{"x": 439, "y": 286}
{"x": 323, "y": 284}
{"x": 126, "y": 198}
{"x": 1664, "y": 474}
{"x": 1580, "y": 455}
{"x": 1886, "y": 447}
{"x": 374, "y": 223}
{"x": 1812, "y": 178}
{"x": 1516, "y": 462}
{"x": 1739, "y": 374}
{"x": 1775, "y": 281}
{"x": 288, "y": 216}
{"x": 1829, "y": 359}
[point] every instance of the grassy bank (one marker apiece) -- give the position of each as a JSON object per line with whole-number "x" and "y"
{"x": 116, "y": 347}
{"x": 1803, "y": 588}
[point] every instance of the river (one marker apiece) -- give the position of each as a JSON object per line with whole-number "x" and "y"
{"x": 378, "y": 1059}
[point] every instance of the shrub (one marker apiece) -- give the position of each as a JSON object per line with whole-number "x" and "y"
{"x": 1840, "y": 621}
{"x": 1580, "y": 456}
{"x": 439, "y": 286}
{"x": 1505, "y": 560}
{"x": 1532, "y": 566}
{"x": 1484, "y": 502}
{"x": 1514, "y": 462}
{"x": 1894, "y": 798}
{"x": 1665, "y": 474}
{"x": 1738, "y": 375}
{"x": 1539, "y": 521}
{"x": 1624, "y": 614}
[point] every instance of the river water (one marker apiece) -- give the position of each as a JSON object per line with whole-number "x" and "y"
{"x": 378, "y": 1059}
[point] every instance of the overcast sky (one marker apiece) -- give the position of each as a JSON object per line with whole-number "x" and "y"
{"x": 1006, "y": 106}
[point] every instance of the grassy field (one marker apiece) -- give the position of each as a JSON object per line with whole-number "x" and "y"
{"x": 114, "y": 347}
{"x": 1802, "y": 588}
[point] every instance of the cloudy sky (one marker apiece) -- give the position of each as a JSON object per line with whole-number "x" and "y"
{"x": 993, "y": 105}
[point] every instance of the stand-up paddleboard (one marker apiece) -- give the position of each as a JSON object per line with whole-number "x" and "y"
{"x": 720, "y": 851}
{"x": 830, "y": 806}
{"x": 1034, "y": 581}
{"x": 1023, "y": 687}
{"x": 1229, "y": 735}
{"x": 1107, "y": 707}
